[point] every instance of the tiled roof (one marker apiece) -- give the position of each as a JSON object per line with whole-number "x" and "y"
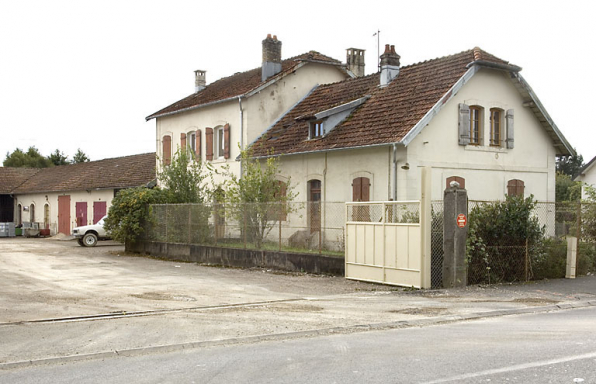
{"x": 11, "y": 178}
{"x": 386, "y": 117}
{"x": 119, "y": 172}
{"x": 240, "y": 84}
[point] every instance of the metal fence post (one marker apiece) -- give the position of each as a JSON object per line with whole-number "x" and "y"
{"x": 244, "y": 220}
{"x": 189, "y": 221}
{"x": 579, "y": 235}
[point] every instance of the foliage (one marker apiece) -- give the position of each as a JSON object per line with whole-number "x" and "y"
{"x": 184, "y": 179}
{"x": 498, "y": 231}
{"x": 570, "y": 165}
{"x": 58, "y": 158}
{"x": 567, "y": 189}
{"x": 129, "y": 215}
{"x": 80, "y": 157}
{"x": 551, "y": 263}
{"x": 30, "y": 159}
{"x": 257, "y": 199}
{"x": 588, "y": 215}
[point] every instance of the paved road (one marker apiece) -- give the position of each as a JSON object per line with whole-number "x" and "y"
{"x": 556, "y": 347}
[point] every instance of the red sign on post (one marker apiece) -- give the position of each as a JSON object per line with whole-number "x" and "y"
{"x": 462, "y": 220}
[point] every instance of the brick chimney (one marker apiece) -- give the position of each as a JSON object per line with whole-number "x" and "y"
{"x": 389, "y": 65}
{"x": 271, "y": 57}
{"x": 355, "y": 61}
{"x": 200, "y": 80}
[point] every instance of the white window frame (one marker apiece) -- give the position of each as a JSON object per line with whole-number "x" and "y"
{"x": 191, "y": 142}
{"x": 218, "y": 143}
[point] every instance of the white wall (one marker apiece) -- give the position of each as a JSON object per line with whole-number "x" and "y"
{"x": 51, "y": 198}
{"x": 486, "y": 169}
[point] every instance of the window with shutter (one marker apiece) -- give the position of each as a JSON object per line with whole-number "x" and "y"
{"x": 496, "y": 122}
{"x": 209, "y": 143}
{"x": 280, "y": 210}
{"x": 476, "y": 125}
{"x": 361, "y": 192}
{"x": 167, "y": 150}
{"x": 515, "y": 188}
{"x": 464, "y": 124}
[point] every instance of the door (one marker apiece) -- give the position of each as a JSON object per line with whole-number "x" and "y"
{"x": 99, "y": 210}
{"x": 81, "y": 211}
{"x": 64, "y": 214}
{"x": 314, "y": 199}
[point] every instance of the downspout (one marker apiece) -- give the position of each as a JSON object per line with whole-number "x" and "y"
{"x": 394, "y": 172}
{"x": 241, "y": 129}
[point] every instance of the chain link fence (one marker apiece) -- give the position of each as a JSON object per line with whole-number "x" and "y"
{"x": 292, "y": 226}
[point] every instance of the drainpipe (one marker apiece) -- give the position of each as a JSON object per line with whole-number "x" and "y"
{"x": 241, "y": 129}
{"x": 394, "y": 172}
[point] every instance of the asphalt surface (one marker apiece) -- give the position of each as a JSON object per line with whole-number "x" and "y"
{"x": 62, "y": 303}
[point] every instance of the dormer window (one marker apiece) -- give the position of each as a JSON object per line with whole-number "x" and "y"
{"x": 316, "y": 129}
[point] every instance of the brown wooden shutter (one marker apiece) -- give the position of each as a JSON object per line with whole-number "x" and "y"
{"x": 357, "y": 189}
{"x": 460, "y": 180}
{"x": 515, "y": 187}
{"x": 209, "y": 143}
{"x": 198, "y": 144}
{"x": 167, "y": 150}
{"x": 227, "y": 141}
{"x": 283, "y": 187}
{"x": 365, "y": 195}
{"x": 183, "y": 141}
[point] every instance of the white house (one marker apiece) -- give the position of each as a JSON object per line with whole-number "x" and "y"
{"x": 234, "y": 110}
{"x": 63, "y": 197}
{"x": 470, "y": 116}
{"x": 587, "y": 175}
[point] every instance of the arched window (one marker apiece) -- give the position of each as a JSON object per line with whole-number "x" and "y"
{"x": 496, "y": 127}
{"x": 515, "y": 188}
{"x": 460, "y": 180}
{"x": 476, "y": 113}
{"x": 32, "y": 213}
{"x": 314, "y": 203}
{"x": 361, "y": 192}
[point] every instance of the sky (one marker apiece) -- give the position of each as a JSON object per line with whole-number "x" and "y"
{"x": 85, "y": 74}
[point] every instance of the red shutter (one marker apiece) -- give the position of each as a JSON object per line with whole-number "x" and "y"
{"x": 209, "y": 143}
{"x": 227, "y": 141}
{"x": 167, "y": 150}
{"x": 198, "y": 144}
{"x": 183, "y": 141}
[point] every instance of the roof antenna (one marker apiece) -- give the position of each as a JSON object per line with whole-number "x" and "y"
{"x": 378, "y": 35}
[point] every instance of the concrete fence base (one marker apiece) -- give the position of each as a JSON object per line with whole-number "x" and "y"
{"x": 241, "y": 258}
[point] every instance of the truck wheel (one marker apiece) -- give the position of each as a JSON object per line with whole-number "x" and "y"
{"x": 80, "y": 241}
{"x": 89, "y": 240}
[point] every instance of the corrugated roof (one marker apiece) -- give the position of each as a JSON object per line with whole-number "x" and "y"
{"x": 239, "y": 84}
{"x": 386, "y": 117}
{"x": 119, "y": 172}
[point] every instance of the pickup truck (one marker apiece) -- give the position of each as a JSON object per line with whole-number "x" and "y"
{"x": 88, "y": 235}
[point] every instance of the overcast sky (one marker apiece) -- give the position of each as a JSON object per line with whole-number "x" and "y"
{"x": 85, "y": 74}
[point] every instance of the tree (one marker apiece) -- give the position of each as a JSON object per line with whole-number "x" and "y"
{"x": 184, "y": 179}
{"x": 58, "y": 158}
{"x": 257, "y": 199}
{"x": 80, "y": 157}
{"x": 566, "y": 189}
{"x": 570, "y": 165}
{"x": 30, "y": 159}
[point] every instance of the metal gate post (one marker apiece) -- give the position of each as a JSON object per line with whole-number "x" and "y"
{"x": 425, "y": 228}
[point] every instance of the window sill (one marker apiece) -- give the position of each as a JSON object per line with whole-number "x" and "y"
{"x": 219, "y": 160}
{"x": 480, "y": 148}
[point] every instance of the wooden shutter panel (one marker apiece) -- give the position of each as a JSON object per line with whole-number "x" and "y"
{"x": 167, "y": 150}
{"x": 209, "y": 143}
{"x": 365, "y": 194}
{"x": 357, "y": 189}
{"x": 198, "y": 144}
{"x": 227, "y": 141}
{"x": 183, "y": 141}
{"x": 464, "y": 124}
{"x": 283, "y": 187}
{"x": 509, "y": 118}
{"x": 515, "y": 187}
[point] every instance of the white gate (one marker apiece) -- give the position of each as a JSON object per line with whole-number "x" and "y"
{"x": 389, "y": 242}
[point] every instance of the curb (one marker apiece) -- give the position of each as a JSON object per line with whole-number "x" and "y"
{"x": 299, "y": 334}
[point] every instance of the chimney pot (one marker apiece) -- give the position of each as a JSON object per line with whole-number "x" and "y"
{"x": 389, "y": 65}
{"x": 200, "y": 80}
{"x": 355, "y": 61}
{"x": 271, "y": 57}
